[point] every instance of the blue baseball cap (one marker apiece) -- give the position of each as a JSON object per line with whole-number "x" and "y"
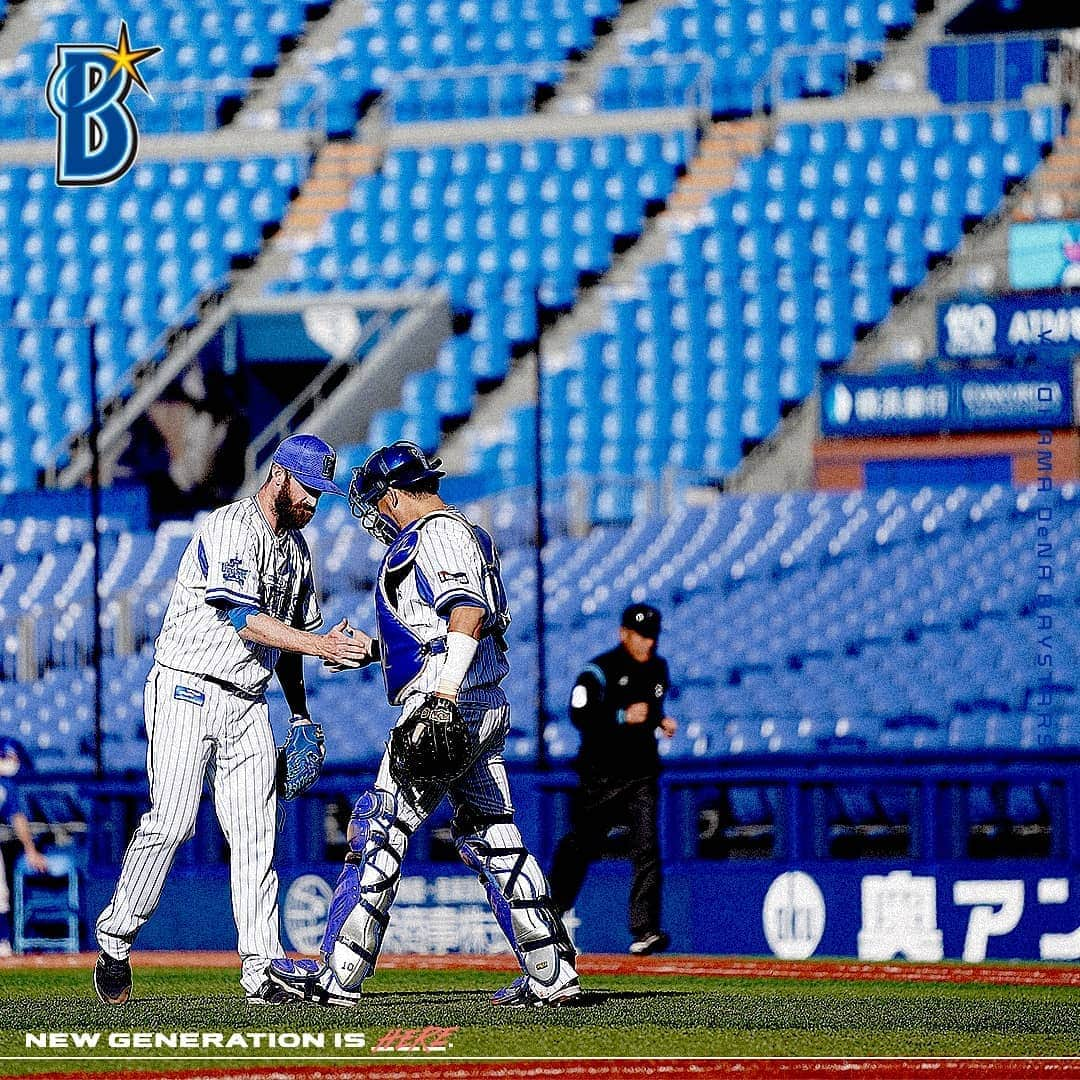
{"x": 310, "y": 460}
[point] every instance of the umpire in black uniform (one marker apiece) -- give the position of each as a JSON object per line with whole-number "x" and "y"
{"x": 618, "y": 704}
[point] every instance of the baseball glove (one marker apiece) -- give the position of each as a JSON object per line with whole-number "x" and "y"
{"x": 431, "y": 746}
{"x": 300, "y": 758}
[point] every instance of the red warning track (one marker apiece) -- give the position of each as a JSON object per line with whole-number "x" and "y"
{"x": 614, "y": 1069}
{"x": 715, "y": 967}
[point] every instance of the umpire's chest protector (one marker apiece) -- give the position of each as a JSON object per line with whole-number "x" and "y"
{"x": 404, "y": 653}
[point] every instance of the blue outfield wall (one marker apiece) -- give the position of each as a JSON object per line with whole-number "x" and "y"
{"x": 871, "y": 910}
{"x": 935, "y": 901}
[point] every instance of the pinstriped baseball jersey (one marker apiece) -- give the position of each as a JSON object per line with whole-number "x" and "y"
{"x": 235, "y": 558}
{"x": 447, "y": 566}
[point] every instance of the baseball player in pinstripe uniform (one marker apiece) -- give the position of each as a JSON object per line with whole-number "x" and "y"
{"x": 441, "y": 614}
{"x": 244, "y": 606}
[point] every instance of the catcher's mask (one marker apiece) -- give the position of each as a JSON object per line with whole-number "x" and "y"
{"x": 399, "y": 465}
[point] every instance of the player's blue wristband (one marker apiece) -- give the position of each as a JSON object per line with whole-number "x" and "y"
{"x": 620, "y": 716}
{"x": 240, "y": 614}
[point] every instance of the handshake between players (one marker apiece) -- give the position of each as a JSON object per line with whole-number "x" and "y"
{"x": 441, "y": 616}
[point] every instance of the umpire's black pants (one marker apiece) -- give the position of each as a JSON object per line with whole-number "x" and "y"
{"x": 598, "y": 806}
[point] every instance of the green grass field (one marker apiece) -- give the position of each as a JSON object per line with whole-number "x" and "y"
{"x": 622, "y": 1016}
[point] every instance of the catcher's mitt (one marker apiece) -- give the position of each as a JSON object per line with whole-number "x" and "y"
{"x": 431, "y": 746}
{"x": 300, "y": 758}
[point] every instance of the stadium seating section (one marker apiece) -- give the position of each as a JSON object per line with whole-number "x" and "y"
{"x": 209, "y": 52}
{"x": 504, "y": 226}
{"x": 441, "y": 60}
{"x": 733, "y": 43}
{"x": 896, "y": 620}
{"x": 437, "y": 60}
{"x": 177, "y": 228}
{"x": 472, "y": 58}
{"x": 841, "y": 217}
{"x": 826, "y": 228}
{"x": 817, "y": 237}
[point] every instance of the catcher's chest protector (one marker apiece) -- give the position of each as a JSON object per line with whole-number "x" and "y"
{"x": 405, "y": 647}
{"x": 403, "y": 653}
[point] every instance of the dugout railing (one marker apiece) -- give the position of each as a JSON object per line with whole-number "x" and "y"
{"x": 186, "y": 108}
{"x": 827, "y": 808}
{"x": 1007, "y": 66}
{"x": 749, "y": 847}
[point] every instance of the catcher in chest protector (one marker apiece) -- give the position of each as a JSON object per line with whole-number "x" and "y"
{"x": 441, "y": 615}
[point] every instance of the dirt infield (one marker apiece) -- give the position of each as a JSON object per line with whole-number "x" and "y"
{"x": 717, "y": 967}
{"x": 670, "y": 1069}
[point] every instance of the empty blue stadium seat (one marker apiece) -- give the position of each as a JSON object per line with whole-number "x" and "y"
{"x": 778, "y": 626}
{"x": 173, "y": 239}
{"x": 206, "y": 57}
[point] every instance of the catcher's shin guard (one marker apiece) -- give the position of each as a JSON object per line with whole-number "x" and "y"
{"x": 518, "y": 893}
{"x": 360, "y": 907}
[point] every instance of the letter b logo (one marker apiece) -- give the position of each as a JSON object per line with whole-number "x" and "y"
{"x": 96, "y": 136}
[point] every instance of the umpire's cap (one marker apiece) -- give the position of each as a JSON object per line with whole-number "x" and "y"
{"x": 642, "y": 619}
{"x": 310, "y": 460}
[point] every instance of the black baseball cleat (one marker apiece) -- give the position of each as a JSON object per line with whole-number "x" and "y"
{"x": 310, "y": 981}
{"x": 112, "y": 980}
{"x": 269, "y": 994}
{"x": 656, "y": 941}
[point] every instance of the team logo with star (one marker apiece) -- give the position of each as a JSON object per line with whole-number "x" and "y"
{"x": 97, "y": 139}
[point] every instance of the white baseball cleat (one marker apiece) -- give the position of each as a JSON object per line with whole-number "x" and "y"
{"x": 523, "y": 992}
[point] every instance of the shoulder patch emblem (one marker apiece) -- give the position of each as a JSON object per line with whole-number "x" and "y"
{"x": 233, "y": 570}
{"x": 451, "y": 575}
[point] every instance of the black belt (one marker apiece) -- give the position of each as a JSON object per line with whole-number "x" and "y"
{"x": 239, "y": 691}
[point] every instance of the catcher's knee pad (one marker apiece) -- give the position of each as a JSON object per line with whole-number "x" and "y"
{"x": 360, "y": 907}
{"x": 518, "y": 893}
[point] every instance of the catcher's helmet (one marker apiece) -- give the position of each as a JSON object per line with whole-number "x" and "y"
{"x": 400, "y": 465}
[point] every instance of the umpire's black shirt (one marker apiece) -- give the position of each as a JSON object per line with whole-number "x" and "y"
{"x": 612, "y": 749}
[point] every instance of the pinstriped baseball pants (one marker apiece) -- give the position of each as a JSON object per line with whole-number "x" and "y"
{"x": 228, "y": 740}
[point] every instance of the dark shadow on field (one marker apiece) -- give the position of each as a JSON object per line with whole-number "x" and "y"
{"x": 588, "y": 997}
{"x": 483, "y": 997}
